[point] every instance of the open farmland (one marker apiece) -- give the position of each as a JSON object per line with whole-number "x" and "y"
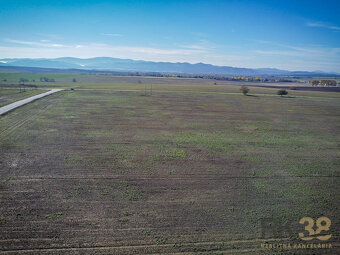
{"x": 107, "y": 80}
{"x": 195, "y": 169}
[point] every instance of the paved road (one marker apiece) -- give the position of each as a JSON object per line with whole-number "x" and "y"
{"x": 5, "y": 109}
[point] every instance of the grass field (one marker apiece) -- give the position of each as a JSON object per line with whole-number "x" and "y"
{"x": 194, "y": 169}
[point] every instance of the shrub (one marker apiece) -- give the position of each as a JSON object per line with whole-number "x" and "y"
{"x": 282, "y": 92}
{"x": 244, "y": 90}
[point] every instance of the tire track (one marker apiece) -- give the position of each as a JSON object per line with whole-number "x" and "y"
{"x": 60, "y": 250}
{"x": 43, "y": 106}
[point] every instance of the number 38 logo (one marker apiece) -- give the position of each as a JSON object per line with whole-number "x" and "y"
{"x": 322, "y": 224}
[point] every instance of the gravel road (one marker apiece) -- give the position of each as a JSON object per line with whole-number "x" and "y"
{"x": 5, "y": 109}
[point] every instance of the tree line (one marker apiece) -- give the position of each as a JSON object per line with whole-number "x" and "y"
{"x": 323, "y": 82}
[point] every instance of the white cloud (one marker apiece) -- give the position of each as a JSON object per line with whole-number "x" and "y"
{"x": 297, "y": 57}
{"x": 288, "y": 57}
{"x": 193, "y": 47}
{"x": 190, "y": 54}
{"x": 38, "y": 50}
{"x": 39, "y": 44}
{"x": 202, "y": 51}
{"x": 278, "y": 52}
{"x": 314, "y": 51}
{"x": 201, "y": 45}
{"x": 319, "y": 53}
{"x": 304, "y": 48}
{"x": 323, "y": 25}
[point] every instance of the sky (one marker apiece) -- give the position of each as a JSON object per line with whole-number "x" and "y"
{"x": 289, "y": 35}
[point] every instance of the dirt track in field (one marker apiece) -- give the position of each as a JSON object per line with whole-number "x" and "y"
{"x": 10, "y": 107}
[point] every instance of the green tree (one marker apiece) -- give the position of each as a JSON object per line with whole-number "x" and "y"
{"x": 282, "y": 92}
{"x": 314, "y": 82}
{"x": 328, "y": 82}
{"x": 244, "y": 90}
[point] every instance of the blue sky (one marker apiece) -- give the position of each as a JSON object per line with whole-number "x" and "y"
{"x": 291, "y": 35}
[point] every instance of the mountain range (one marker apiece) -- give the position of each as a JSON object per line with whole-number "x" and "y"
{"x": 129, "y": 65}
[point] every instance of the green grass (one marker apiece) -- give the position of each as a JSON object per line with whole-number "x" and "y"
{"x": 129, "y": 191}
{"x": 190, "y": 168}
{"x": 54, "y": 215}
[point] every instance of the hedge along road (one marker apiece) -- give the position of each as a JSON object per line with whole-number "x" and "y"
{"x": 5, "y": 109}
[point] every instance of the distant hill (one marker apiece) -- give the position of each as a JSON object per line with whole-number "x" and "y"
{"x": 128, "y": 65}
